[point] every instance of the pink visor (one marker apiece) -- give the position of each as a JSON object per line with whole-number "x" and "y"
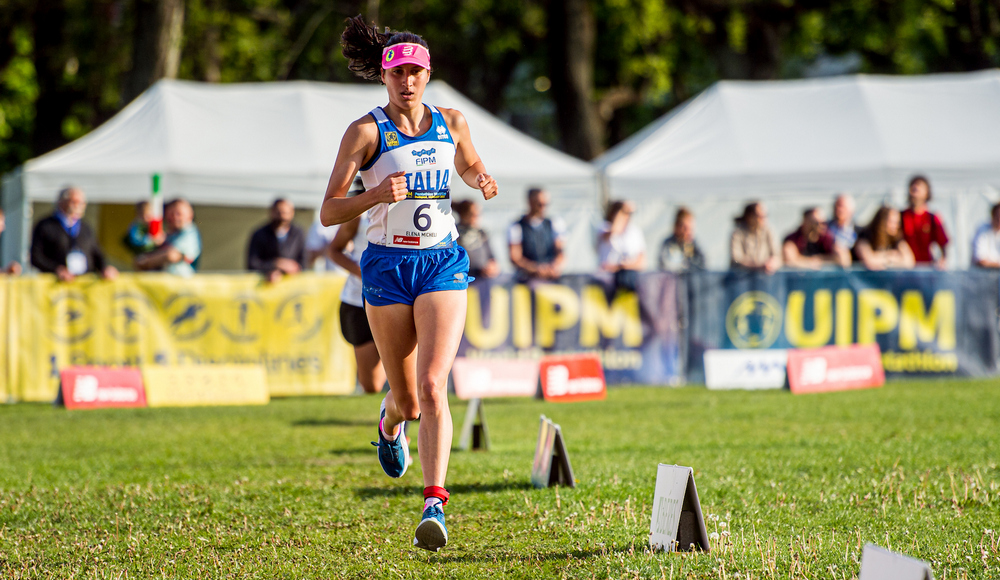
{"x": 406, "y": 53}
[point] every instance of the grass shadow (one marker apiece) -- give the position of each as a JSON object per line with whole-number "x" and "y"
{"x": 333, "y": 422}
{"x": 381, "y": 492}
{"x": 526, "y": 558}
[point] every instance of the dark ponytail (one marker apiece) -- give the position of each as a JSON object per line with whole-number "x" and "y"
{"x": 363, "y": 44}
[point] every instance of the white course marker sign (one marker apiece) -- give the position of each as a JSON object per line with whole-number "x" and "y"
{"x": 551, "y": 465}
{"x": 677, "y": 523}
{"x": 475, "y": 433}
{"x": 881, "y": 564}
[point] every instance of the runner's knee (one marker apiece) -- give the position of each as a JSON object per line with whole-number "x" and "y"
{"x": 433, "y": 394}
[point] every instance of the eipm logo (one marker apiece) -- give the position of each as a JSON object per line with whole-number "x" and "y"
{"x": 754, "y": 319}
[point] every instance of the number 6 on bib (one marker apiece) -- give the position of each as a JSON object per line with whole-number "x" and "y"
{"x": 418, "y": 223}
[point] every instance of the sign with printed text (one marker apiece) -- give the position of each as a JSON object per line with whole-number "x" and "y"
{"x": 291, "y": 328}
{"x": 97, "y": 387}
{"x": 833, "y": 368}
{"x": 881, "y": 564}
{"x": 482, "y": 378}
{"x": 925, "y": 322}
{"x": 637, "y": 335}
{"x": 203, "y": 385}
{"x": 572, "y": 378}
{"x": 677, "y": 523}
{"x": 745, "y": 368}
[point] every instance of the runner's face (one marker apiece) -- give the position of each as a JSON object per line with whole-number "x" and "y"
{"x": 405, "y": 84}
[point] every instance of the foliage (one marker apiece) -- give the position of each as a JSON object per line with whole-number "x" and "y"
{"x": 792, "y": 487}
{"x": 651, "y": 54}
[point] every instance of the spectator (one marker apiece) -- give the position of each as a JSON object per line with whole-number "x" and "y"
{"x": 881, "y": 244}
{"x": 179, "y": 253}
{"x": 475, "y": 240}
{"x": 986, "y": 243}
{"x": 621, "y": 247}
{"x": 921, "y": 228}
{"x": 138, "y": 238}
{"x": 842, "y": 227}
{"x": 680, "y": 252}
{"x": 752, "y": 245}
{"x": 64, "y": 245}
{"x": 536, "y": 242}
{"x": 811, "y": 246}
{"x": 318, "y": 240}
{"x": 14, "y": 268}
{"x": 346, "y": 250}
{"x": 279, "y": 247}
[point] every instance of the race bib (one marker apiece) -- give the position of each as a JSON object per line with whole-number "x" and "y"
{"x": 76, "y": 262}
{"x": 418, "y": 223}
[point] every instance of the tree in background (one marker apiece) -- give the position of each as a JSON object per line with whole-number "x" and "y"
{"x": 580, "y": 74}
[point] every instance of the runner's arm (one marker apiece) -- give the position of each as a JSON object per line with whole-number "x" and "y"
{"x": 358, "y": 145}
{"x": 467, "y": 162}
{"x": 339, "y": 245}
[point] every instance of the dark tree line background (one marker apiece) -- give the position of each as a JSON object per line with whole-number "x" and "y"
{"x": 579, "y": 74}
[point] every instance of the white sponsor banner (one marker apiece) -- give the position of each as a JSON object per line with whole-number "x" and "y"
{"x": 745, "y": 368}
{"x": 481, "y": 378}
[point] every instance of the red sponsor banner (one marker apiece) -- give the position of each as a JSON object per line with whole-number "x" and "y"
{"x": 96, "y": 387}
{"x": 482, "y": 378}
{"x": 572, "y": 378}
{"x": 835, "y": 368}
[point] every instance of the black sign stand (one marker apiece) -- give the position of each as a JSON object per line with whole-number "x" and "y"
{"x": 475, "y": 433}
{"x": 551, "y": 465}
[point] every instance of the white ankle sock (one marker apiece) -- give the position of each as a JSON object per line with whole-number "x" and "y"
{"x": 432, "y": 501}
{"x": 387, "y": 435}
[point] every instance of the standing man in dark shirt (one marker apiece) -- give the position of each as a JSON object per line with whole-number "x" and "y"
{"x": 812, "y": 246}
{"x": 475, "y": 240}
{"x": 279, "y": 247}
{"x": 680, "y": 253}
{"x": 62, "y": 244}
{"x": 536, "y": 241}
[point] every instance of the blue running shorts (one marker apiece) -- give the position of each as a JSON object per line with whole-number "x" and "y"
{"x": 399, "y": 275}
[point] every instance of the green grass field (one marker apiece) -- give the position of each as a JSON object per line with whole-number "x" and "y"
{"x": 794, "y": 486}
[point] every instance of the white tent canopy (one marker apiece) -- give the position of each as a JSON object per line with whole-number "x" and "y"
{"x": 794, "y": 144}
{"x": 245, "y": 144}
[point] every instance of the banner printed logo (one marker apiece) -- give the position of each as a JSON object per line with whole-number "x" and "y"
{"x": 754, "y": 320}
{"x": 186, "y": 316}
{"x": 299, "y": 315}
{"x": 129, "y": 315}
{"x": 70, "y": 317}
{"x": 243, "y": 320}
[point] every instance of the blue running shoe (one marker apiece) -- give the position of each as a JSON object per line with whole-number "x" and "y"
{"x": 394, "y": 456}
{"x": 431, "y": 533}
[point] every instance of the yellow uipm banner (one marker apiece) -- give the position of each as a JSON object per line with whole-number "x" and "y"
{"x": 291, "y": 328}
{"x": 203, "y": 385}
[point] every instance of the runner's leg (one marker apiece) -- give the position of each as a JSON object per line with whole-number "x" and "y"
{"x": 396, "y": 339}
{"x": 440, "y": 320}
{"x": 371, "y": 375}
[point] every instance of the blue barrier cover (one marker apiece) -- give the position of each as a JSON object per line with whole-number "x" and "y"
{"x": 926, "y": 322}
{"x": 636, "y": 334}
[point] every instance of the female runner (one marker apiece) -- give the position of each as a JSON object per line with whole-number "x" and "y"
{"x": 414, "y": 274}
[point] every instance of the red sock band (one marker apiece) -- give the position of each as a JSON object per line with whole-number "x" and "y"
{"x": 438, "y": 492}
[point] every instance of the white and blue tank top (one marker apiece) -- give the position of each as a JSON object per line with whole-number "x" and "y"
{"x": 423, "y": 220}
